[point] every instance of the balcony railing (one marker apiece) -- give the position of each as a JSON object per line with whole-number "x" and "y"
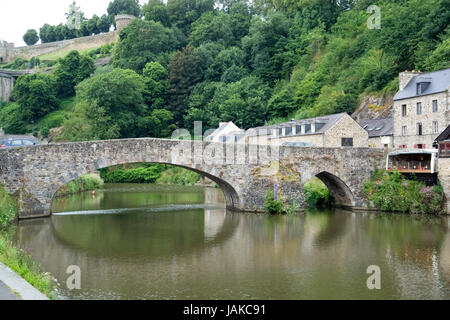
{"x": 411, "y": 166}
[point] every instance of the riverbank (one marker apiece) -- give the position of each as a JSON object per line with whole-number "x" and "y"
{"x": 24, "y": 267}
{"x": 25, "y": 272}
{"x": 84, "y": 183}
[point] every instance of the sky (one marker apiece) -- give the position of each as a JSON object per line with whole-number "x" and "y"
{"x": 17, "y": 16}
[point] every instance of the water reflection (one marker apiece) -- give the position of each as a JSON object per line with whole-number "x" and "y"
{"x": 204, "y": 252}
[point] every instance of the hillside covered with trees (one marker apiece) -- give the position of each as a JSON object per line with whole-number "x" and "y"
{"x": 202, "y": 60}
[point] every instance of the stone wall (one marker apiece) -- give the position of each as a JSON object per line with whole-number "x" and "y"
{"x": 444, "y": 178}
{"x": 244, "y": 172}
{"x": 6, "y": 87}
{"x": 426, "y": 118}
{"x": 61, "y": 46}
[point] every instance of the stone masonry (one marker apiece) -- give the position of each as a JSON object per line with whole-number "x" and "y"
{"x": 244, "y": 172}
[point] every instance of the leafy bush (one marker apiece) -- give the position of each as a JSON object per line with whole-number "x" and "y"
{"x": 389, "y": 191}
{"x": 317, "y": 194}
{"x": 273, "y": 206}
{"x": 179, "y": 176}
{"x": 143, "y": 174}
{"x": 83, "y": 183}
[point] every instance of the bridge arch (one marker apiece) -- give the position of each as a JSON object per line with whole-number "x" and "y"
{"x": 342, "y": 194}
{"x": 231, "y": 196}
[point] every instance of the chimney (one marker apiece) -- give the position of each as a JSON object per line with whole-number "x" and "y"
{"x": 405, "y": 78}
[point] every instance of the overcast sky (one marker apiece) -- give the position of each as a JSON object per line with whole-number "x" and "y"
{"x": 17, "y": 16}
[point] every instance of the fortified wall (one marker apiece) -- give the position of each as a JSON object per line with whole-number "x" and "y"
{"x": 9, "y": 53}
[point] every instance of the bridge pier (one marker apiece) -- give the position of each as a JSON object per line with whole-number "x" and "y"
{"x": 30, "y": 207}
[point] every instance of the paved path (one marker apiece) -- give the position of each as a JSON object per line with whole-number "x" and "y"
{"x": 5, "y": 293}
{"x": 22, "y": 289}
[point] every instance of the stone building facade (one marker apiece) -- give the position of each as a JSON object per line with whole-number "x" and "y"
{"x": 421, "y": 109}
{"x": 338, "y": 130}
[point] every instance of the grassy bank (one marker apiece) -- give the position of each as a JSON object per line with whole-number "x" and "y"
{"x": 150, "y": 173}
{"x": 393, "y": 193}
{"x": 8, "y": 209}
{"x": 83, "y": 183}
{"x": 17, "y": 259}
{"x": 24, "y": 265}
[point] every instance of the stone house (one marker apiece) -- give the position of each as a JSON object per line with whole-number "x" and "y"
{"x": 381, "y": 132}
{"x": 421, "y": 108}
{"x": 337, "y": 130}
{"x": 227, "y": 132}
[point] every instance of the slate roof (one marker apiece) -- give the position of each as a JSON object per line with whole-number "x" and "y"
{"x": 327, "y": 121}
{"x": 445, "y": 135}
{"x": 378, "y": 127}
{"x": 433, "y": 82}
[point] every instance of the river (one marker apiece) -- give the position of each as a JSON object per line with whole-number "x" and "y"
{"x": 172, "y": 242}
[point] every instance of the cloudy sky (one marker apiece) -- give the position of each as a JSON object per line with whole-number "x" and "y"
{"x": 17, "y": 16}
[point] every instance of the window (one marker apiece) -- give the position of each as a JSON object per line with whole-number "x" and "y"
{"x": 435, "y": 127}
{"x": 419, "y": 108}
{"x": 418, "y": 89}
{"x": 435, "y": 106}
{"x": 419, "y": 129}
{"x": 403, "y": 110}
{"x": 347, "y": 142}
{"x": 223, "y": 139}
{"x": 419, "y": 146}
{"x": 288, "y": 130}
{"x": 404, "y": 131}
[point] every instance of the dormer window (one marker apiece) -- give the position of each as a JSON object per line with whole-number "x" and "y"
{"x": 418, "y": 89}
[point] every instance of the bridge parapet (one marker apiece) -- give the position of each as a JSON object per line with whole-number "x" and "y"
{"x": 244, "y": 172}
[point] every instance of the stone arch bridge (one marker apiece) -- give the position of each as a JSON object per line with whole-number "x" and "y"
{"x": 244, "y": 172}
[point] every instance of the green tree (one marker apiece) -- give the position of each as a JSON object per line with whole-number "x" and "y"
{"x": 159, "y": 124}
{"x": 184, "y": 12}
{"x": 124, "y": 7}
{"x": 243, "y": 102}
{"x": 156, "y": 79}
{"x": 47, "y": 33}
{"x": 71, "y": 70}
{"x": 184, "y": 73}
{"x": 104, "y": 23}
{"x": 117, "y": 100}
{"x": 31, "y": 37}
{"x": 156, "y": 10}
{"x": 142, "y": 42}
{"x": 36, "y": 95}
